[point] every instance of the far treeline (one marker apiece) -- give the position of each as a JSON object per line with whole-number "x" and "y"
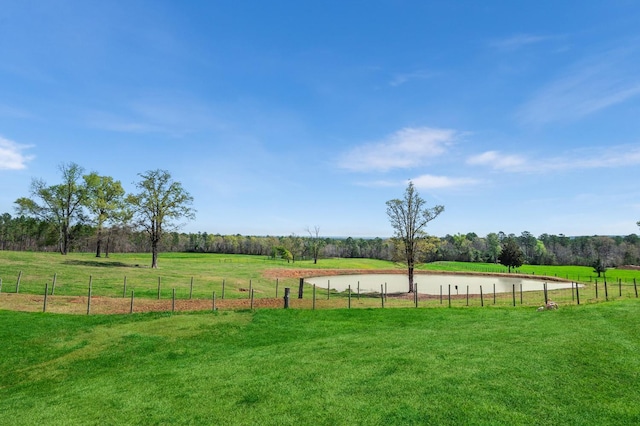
{"x": 90, "y": 212}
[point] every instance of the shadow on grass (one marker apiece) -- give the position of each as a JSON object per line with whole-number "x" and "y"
{"x": 103, "y": 264}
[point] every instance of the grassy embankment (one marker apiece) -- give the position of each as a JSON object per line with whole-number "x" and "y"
{"x": 577, "y": 365}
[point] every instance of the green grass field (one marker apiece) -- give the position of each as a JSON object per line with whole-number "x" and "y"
{"x": 578, "y": 365}
{"x": 495, "y": 365}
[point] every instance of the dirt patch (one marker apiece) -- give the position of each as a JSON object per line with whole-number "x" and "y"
{"x": 629, "y": 267}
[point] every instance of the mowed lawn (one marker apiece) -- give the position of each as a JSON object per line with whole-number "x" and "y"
{"x": 577, "y": 365}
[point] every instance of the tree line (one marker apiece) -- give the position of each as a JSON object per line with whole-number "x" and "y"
{"x": 91, "y": 212}
{"x": 20, "y": 232}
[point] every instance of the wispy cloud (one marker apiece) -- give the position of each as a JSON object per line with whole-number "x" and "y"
{"x": 518, "y": 41}
{"x": 601, "y": 81}
{"x": 594, "y": 158}
{"x": 11, "y": 155}
{"x": 406, "y": 148}
{"x": 497, "y": 161}
{"x": 441, "y": 182}
{"x": 402, "y": 78}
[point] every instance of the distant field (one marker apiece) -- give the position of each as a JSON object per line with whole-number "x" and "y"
{"x": 195, "y": 277}
{"x": 578, "y": 365}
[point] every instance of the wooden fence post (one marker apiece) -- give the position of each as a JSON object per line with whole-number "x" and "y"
{"x": 596, "y": 289}
{"x": 53, "y": 285}
{"x": 287, "y": 290}
{"x": 349, "y": 304}
{"x": 494, "y": 293}
{"x": 276, "y": 287}
{"x": 173, "y": 300}
{"x": 606, "y": 291}
{"x": 328, "y": 285}
{"x": 158, "y": 288}
{"x": 131, "y": 306}
{"x": 46, "y": 291}
{"x": 449, "y": 295}
{"x": 213, "y": 308}
{"x": 481, "y": 297}
{"x": 89, "y": 297}
{"x": 635, "y": 287}
{"x": 251, "y": 299}
{"x": 577, "y": 294}
{"x": 314, "y": 297}
{"x": 382, "y": 294}
{"x": 358, "y": 290}
{"x": 300, "y": 288}
{"x": 18, "y": 282}
{"x": 0, "y": 285}
{"x": 467, "y": 295}
{"x": 415, "y": 293}
{"x": 191, "y": 289}
{"x": 124, "y": 287}
{"x": 222, "y": 289}
{"x": 514, "y": 294}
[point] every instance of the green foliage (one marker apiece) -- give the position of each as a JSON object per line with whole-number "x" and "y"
{"x": 511, "y": 255}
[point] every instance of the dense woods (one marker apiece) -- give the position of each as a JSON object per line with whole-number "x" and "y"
{"x": 27, "y": 233}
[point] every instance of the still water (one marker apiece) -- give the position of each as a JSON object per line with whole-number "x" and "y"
{"x": 431, "y": 284}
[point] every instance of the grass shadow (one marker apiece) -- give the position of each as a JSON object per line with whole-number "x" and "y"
{"x": 98, "y": 263}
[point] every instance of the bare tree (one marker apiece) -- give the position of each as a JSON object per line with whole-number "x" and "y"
{"x": 161, "y": 200}
{"x": 314, "y": 243}
{"x": 408, "y": 218}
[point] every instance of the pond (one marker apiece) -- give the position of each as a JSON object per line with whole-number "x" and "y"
{"x": 433, "y": 283}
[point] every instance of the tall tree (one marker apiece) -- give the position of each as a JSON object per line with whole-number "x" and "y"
{"x": 409, "y": 217}
{"x": 105, "y": 201}
{"x": 511, "y": 255}
{"x": 159, "y": 203}
{"x": 59, "y": 204}
{"x": 314, "y": 243}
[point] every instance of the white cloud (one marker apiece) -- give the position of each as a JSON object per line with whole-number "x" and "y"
{"x": 440, "y": 182}
{"x": 595, "y": 158}
{"x": 497, "y": 161}
{"x": 11, "y": 156}
{"x": 599, "y": 82}
{"x": 406, "y": 148}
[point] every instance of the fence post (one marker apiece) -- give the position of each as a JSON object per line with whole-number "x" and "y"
{"x": 300, "y": 288}
{"x": 314, "y": 297}
{"x": 0, "y": 285}
{"x": 124, "y": 287}
{"x": 349, "y": 304}
{"x": 89, "y": 297}
{"x": 619, "y": 287}
{"x": 467, "y": 295}
{"x": 449, "y": 295}
{"x": 635, "y": 287}
{"x": 596, "y": 289}
{"x": 222, "y": 289}
{"x": 572, "y": 293}
{"x": 494, "y": 293}
{"x": 606, "y": 291}
{"x": 53, "y": 285}
{"x": 18, "y": 282}
{"x": 46, "y": 291}
{"x": 173, "y": 300}
{"x": 191, "y": 289}
{"x": 158, "y": 288}
{"x": 358, "y": 290}
{"x": 250, "y": 288}
{"x": 287, "y": 290}
{"x": 252, "y": 299}
{"x": 328, "y": 285}
{"x": 481, "y": 297}
{"x": 441, "y": 294}
{"x": 415, "y": 292}
{"x": 546, "y": 296}
{"x": 577, "y": 294}
{"x": 276, "y": 287}
{"x": 385, "y": 291}
{"x": 131, "y": 307}
{"x": 514, "y": 293}
{"x": 382, "y": 294}
{"x": 521, "y": 293}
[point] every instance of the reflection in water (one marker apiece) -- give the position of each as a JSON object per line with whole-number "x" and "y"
{"x": 431, "y": 284}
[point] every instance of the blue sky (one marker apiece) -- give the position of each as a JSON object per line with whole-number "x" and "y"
{"x": 284, "y": 115}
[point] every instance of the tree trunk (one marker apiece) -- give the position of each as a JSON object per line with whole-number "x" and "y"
{"x": 410, "y": 270}
{"x": 99, "y": 243}
{"x": 154, "y": 254}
